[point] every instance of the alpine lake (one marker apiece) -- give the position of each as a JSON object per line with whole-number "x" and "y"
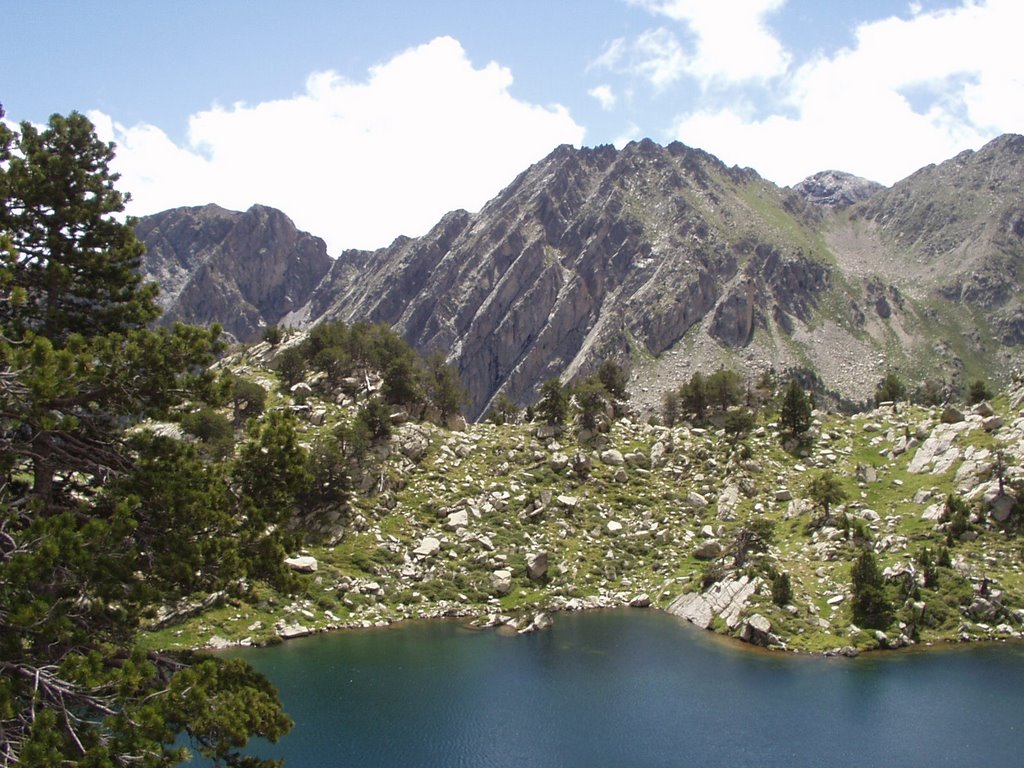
{"x": 634, "y": 688}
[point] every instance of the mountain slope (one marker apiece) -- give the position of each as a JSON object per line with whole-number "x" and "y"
{"x": 662, "y": 258}
{"x": 243, "y": 270}
{"x": 589, "y": 254}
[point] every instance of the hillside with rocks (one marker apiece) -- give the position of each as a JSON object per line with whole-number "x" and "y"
{"x": 660, "y": 258}
{"x": 511, "y": 523}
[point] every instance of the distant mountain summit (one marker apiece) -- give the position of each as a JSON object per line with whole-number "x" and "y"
{"x": 836, "y": 189}
{"x": 242, "y": 270}
{"x": 660, "y": 257}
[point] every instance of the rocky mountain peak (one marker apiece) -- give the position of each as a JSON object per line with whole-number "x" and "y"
{"x": 661, "y": 258}
{"x": 836, "y": 189}
{"x": 244, "y": 270}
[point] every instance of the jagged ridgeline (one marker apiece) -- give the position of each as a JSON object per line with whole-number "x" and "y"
{"x": 659, "y": 257}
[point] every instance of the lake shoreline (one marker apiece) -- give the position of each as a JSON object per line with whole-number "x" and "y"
{"x": 512, "y": 624}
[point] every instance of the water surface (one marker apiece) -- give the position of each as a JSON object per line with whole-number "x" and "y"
{"x": 633, "y": 688}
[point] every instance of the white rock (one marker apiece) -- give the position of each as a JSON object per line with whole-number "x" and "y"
{"x": 696, "y": 500}
{"x": 456, "y": 520}
{"x": 501, "y": 581}
{"x": 536, "y": 565}
{"x": 612, "y": 458}
{"x": 302, "y": 564}
{"x": 428, "y": 547}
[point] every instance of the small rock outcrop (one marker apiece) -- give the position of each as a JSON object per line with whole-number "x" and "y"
{"x": 724, "y": 599}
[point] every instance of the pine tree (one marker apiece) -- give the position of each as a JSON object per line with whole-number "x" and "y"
{"x": 73, "y": 266}
{"x": 695, "y": 396}
{"x": 442, "y": 386}
{"x": 824, "y": 491}
{"x": 891, "y": 389}
{"x": 94, "y": 528}
{"x": 871, "y": 606}
{"x": 796, "y": 410}
{"x": 553, "y": 405}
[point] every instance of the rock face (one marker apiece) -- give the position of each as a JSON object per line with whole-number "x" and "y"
{"x": 243, "y": 270}
{"x": 659, "y": 257}
{"x": 725, "y": 599}
{"x": 835, "y": 189}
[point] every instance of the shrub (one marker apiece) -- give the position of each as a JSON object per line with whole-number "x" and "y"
{"x": 890, "y": 389}
{"x": 977, "y": 392}
{"x": 211, "y": 428}
{"x": 871, "y": 606}
{"x": 273, "y": 335}
{"x": 782, "y": 589}
{"x": 248, "y": 398}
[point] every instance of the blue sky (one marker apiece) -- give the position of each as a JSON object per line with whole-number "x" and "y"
{"x": 366, "y": 120}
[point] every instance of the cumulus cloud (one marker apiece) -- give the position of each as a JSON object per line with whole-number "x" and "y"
{"x": 732, "y": 42}
{"x": 357, "y": 163}
{"x": 908, "y": 92}
{"x": 605, "y": 96}
{"x": 726, "y": 43}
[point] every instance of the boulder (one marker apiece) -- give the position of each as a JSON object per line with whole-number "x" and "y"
{"x": 613, "y": 527}
{"x": 657, "y": 453}
{"x": 302, "y": 563}
{"x": 708, "y": 550}
{"x": 428, "y": 547}
{"x": 612, "y": 458}
{"x": 951, "y": 415}
{"x": 558, "y": 462}
{"x": 756, "y": 630}
{"x": 992, "y": 423}
{"x": 540, "y": 622}
{"x": 291, "y": 631}
{"x": 1001, "y": 507}
{"x": 456, "y": 520}
{"x": 982, "y": 409}
{"x": 642, "y": 600}
{"x": 696, "y": 501}
{"x": 536, "y": 565}
{"x": 728, "y": 502}
{"x": 501, "y": 581}
{"x": 413, "y": 444}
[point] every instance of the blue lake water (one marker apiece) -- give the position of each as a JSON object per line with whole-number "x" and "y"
{"x": 634, "y": 688}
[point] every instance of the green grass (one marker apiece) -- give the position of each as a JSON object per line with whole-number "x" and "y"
{"x": 584, "y": 561}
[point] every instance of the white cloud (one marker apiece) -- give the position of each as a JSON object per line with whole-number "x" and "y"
{"x": 909, "y": 92}
{"x": 732, "y": 43}
{"x": 655, "y": 55}
{"x": 357, "y": 163}
{"x": 605, "y": 96}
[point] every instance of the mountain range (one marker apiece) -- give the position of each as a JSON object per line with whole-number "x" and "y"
{"x": 659, "y": 257}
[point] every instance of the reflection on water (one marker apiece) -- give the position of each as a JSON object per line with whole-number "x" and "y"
{"x": 633, "y": 688}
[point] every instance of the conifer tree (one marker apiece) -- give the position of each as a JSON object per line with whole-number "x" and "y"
{"x": 796, "y": 410}
{"x": 553, "y": 405}
{"x": 95, "y": 529}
